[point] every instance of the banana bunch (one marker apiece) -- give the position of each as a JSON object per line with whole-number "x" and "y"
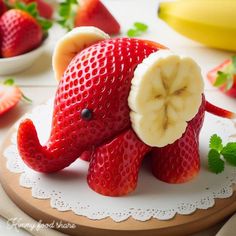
{"x": 210, "y": 22}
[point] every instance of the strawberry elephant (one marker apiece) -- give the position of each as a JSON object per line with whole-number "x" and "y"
{"x": 100, "y": 112}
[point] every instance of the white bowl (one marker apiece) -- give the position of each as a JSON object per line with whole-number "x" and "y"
{"x": 12, "y": 65}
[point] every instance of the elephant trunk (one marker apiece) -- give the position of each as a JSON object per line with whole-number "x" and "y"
{"x": 43, "y": 158}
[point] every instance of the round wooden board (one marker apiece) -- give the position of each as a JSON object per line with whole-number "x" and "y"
{"x": 41, "y": 210}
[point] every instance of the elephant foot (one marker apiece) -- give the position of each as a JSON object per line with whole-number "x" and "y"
{"x": 114, "y": 167}
{"x": 178, "y": 162}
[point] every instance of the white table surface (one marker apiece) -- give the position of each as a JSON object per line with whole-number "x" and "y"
{"x": 38, "y": 82}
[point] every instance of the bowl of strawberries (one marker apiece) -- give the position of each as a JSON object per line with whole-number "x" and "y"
{"x": 23, "y": 34}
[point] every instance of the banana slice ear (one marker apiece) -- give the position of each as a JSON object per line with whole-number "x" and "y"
{"x": 166, "y": 93}
{"x": 72, "y": 43}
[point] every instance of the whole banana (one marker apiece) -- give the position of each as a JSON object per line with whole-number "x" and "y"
{"x": 210, "y": 22}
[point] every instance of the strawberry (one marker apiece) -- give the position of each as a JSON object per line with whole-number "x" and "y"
{"x": 178, "y": 162}
{"x": 10, "y": 95}
{"x": 197, "y": 121}
{"x": 3, "y": 7}
{"x": 90, "y": 106}
{"x": 94, "y": 13}
{"x": 88, "y": 13}
{"x": 45, "y": 9}
{"x": 224, "y": 76}
{"x": 114, "y": 168}
{"x": 21, "y": 32}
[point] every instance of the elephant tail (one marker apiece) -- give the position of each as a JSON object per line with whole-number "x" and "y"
{"x": 219, "y": 111}
{"x": 37, "y": 157}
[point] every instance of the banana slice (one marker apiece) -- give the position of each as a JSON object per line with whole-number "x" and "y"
{"x": 166, "y": 92}
{"x": 72, "y": 43}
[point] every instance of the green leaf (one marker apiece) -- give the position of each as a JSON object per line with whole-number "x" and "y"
{"x": 234, "y": 60}
{"x": 138, "y": 29}
{"x": 45, "y": 24}
{"x": 215, "y": 164}
{"x": 9, "y": 82}
{"x": 67, "y": 13}
{"x": 216, "y": 143}
{"x": 141, "y": 26}
{"x": 229, "y": 153}
{"x": 133, "y": 33}
{"x": 221, "y": 78}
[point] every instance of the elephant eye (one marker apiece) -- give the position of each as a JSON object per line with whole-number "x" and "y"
{"x": 86, "y": 114}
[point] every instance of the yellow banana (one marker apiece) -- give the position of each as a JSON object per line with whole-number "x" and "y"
{"x": 210, "y": 22}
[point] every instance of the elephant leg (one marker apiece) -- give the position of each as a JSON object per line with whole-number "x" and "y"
{"x": 114, "y": 167}
{"x": 178, "y": 162}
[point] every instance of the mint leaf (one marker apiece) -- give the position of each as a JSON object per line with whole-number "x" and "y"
{"x": 216, "y": 143}
{"x": 141, "y": 26}
{"x": 133, "y": 33}
{"x": 9, "y": 82}
{"x": 215, "y": 164}
{"x": 138, "y": 29}
{"x": 229, "y": 153}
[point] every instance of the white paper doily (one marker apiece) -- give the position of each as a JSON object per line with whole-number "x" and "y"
{"x": 68, "y": 189}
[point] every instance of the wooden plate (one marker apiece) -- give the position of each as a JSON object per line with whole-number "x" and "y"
{"x": 41, "y": 210}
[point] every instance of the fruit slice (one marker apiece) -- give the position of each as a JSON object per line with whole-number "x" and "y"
{"x": 94, "y": 13}
{"x": 166, "y": 92}
{"x": 71, "y": 44}
{"x": 178, "y": 162}
{"x": 10, "y": 95}
{"x": 224, "y": 77}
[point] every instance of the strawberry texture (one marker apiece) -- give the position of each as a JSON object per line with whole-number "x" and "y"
{"x": 94, "y": 13}
{"x": 212, "y": 75}
{"x": 114, "y": 167}
{"x": 21, "y": 33}
{"x": 178, "y": 162}
{"x": 197, "y": 121}
{"x": 96, "y": 83}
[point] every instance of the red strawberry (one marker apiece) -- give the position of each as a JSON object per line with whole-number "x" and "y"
{"x": 178, "y": 162}
{"x": 10, "y": 95}
{"x": 224, "y": 77}
{"x": 114, "y": 168}
{"x": 89, "y": 13}
{"x": 90, "y": 106}
{"x": 45, "y": 9}
{"x": 3, "y": 7}
{"x": 197, "y": 121}
{"x": 21, "y": 32}
{"x": 94, "y": 13}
